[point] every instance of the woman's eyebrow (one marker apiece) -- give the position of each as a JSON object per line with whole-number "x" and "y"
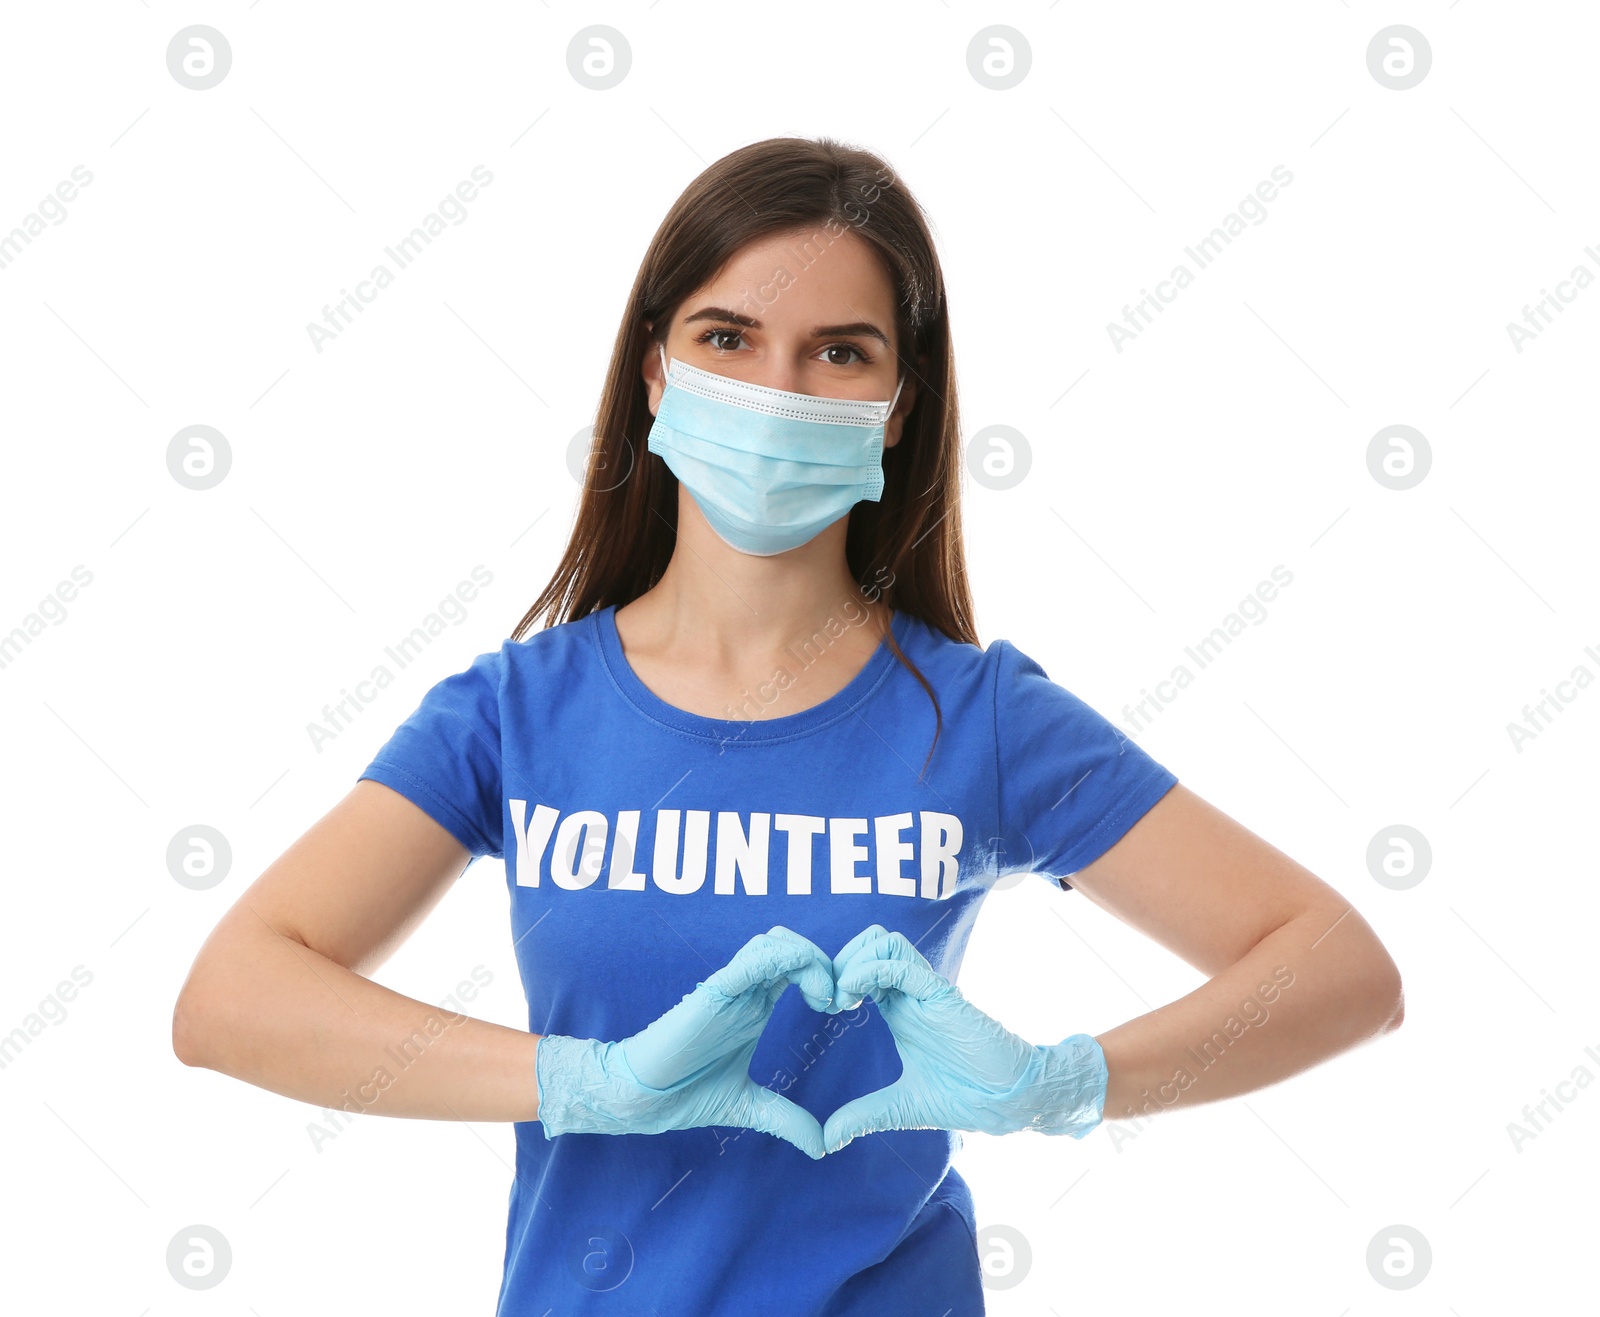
{"x": 859, "y": 327}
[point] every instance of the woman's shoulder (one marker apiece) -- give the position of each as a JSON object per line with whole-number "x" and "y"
{"x": 540, "y": 654}
{"x": 946, "y": 661}
{"x": 1007, "y": 673}
{"x": 575, "y": 640}
{"x": 933, "y": 641}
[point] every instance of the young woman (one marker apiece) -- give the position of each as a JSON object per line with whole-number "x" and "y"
{"x": 757, "y": 744}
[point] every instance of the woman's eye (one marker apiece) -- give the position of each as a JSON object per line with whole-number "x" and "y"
{"x": 716, "y": 337}
{"x": 845, "y": 348}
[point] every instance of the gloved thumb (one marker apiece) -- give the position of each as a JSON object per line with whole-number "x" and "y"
{"x": 772, "y": 1113}
{"x": 863, "y": 1115}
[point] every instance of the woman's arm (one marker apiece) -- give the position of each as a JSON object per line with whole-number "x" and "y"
{"x": 277, "y": 995}
{"x": 1298, "y": 975}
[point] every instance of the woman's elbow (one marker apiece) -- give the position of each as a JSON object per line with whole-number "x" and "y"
{"x": 1387, "y": 993}
{"x": 187, "y": 1035}
{"x": 1395, "y": 997}
{"x": 1373, "y": 993}
{"x": 194, "y": 1021}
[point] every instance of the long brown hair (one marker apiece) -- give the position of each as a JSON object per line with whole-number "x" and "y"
{"x": 907, "y": 547}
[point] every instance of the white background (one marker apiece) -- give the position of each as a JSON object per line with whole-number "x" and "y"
{"x": 1167, "y": 480}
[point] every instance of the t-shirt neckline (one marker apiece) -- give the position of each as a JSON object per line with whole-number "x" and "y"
{"x": 734, "y": 731}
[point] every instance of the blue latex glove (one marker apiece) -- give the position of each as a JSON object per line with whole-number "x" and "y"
{"x": 690, "y": 1068}
{"x": 962, "y": 1069}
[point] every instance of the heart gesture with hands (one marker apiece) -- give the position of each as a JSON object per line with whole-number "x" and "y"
{"x": 962, "y": 1070}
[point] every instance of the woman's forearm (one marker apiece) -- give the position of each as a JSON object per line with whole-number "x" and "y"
{"x": 269, "y": 1010}
{"x": 1313, "y": 988}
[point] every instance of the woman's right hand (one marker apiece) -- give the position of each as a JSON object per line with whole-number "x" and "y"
{"x": 690, "y": 1068}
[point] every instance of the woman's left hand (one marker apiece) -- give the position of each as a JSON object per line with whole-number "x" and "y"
{"x": 963, "y": 1070}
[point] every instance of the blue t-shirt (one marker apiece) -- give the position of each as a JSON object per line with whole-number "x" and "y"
{"x": 644, "y": 845}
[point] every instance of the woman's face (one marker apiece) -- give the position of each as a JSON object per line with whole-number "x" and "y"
{"x": 810, "y": 312}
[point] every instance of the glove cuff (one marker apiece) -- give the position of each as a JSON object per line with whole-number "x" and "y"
{"x": 1071, "y": 1082}
{"x": 568, "y": 1072}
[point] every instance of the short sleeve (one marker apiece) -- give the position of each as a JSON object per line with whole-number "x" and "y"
{"x": 445, "y": 758}
{"x": 1071, "y": 783}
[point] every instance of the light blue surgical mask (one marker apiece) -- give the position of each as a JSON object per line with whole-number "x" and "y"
{"x": 769, "y": 469}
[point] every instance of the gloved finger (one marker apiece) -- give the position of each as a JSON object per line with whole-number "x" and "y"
{"x": 815, "y": 979}
{"x": 876, "y": 943}
{"x": 772, "y": 1113}
{"x": 868, "y": 934}
{"x": 867, "y": 1114}
{"x": 869, "y": 975}
{"x": 890, "y": 947}
{"x": 774, "y": 960}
